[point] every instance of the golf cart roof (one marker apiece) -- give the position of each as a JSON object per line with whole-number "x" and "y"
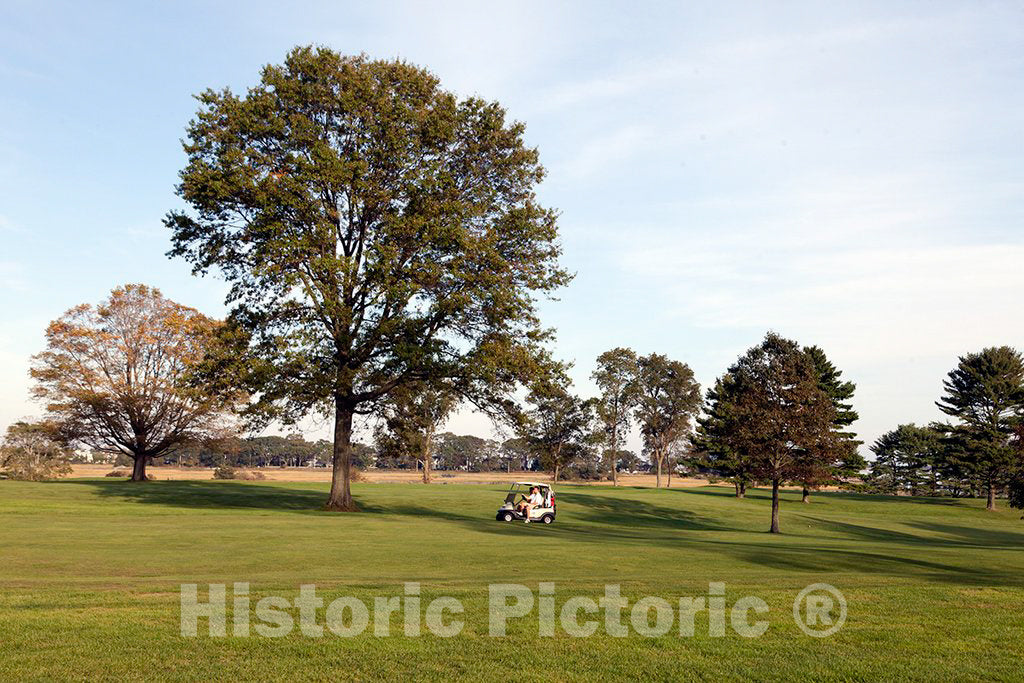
{"x": 532, "y": 483}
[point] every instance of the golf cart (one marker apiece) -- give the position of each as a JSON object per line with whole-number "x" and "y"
{"x": 520, "y": 491}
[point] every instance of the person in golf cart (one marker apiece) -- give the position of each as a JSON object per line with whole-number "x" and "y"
{"x": 528, "y": 500}
{"x": 535, "y": 499}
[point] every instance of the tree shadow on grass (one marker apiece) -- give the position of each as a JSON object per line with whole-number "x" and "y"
{"x": 210, "y": 494}
{"x": 606, "y": 518}
{"x": 626, "y": 512}
{"x": 823, "y": 560}
{"x": 792, "y": 493}
{"x": 942, "y": 535}
{"x": 880, "y": 498}
{"x": 973, "y": 536}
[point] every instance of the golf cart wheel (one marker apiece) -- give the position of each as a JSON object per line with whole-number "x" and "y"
{"x": 507, "y": 516}
{"x": 547, "y": 519}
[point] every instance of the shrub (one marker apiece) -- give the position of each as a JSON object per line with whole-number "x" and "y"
{"x": 229, "y": 472}
{"x": 126, "y": 474}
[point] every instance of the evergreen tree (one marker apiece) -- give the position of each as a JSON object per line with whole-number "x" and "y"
{"x": 712, "y": 445}
{"x": 985, "y": 392}
{"x": 906, "y": 461}
{"x": 779, "y": 417}
{"x": 849, "y": 461}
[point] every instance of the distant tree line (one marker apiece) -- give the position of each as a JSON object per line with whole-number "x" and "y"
{"x": 450, "y": 452}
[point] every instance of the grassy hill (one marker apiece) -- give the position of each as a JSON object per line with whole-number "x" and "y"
{"x": 91, "y": 569}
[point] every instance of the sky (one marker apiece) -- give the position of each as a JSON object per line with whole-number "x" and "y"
{"x": 849, "y": 175}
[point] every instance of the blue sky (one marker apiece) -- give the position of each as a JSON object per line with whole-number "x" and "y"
{"x": 847, "y": 174}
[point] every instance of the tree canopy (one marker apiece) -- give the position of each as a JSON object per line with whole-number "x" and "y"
{"x": 667, "y": 398}
{"x": 778, "y": 421}
{"x": 33, "y": 451}
{"x": 409, "y": 421}
{"x": 376, "y": 230}
{"x": 615, "y": 377}
{"x": 906, "y": 460}
{"x": 117, "y": 377}
{"x": 559, "y": 427}
{"x": 985, "y": 392}
{"x": 712, "y": 442}
{"x": 847, "y": 461}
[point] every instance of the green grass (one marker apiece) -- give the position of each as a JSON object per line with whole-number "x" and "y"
{"x": 90, "y": 573}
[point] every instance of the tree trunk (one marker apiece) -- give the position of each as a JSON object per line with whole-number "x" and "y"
{"x": 668, "y": 483}
{"x": 556, "y": 473}
{"x": 991, "y": 505}
{"x": 340, "y": 499}
{"x": 741, "y": 488}
{"x": 139, "y": 468}
{"x": 428, "y": 456}
{"x": 806, "y": 496}
{"x": 615, "y": 455}
{"x": 775, "y": 506}
{"x": 736, "y": 485}
{"x": 657, "y": 479}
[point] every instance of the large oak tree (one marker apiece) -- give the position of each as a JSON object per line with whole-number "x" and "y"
{"x": 376, "y": 230}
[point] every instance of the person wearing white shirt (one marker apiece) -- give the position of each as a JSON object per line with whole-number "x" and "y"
{"x": 535, "y": 499}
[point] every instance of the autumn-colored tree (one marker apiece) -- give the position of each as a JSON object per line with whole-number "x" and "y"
{"x": 667, "y": 398}
{"x": 32, "y": 451}
{"x": 780, "y": 419}
{"x": 116, "y": 377}
{"x": 410, "y": 418}
{"x": 615, "y": 376}
{"x": 985, "y": 392}
{"x": 376, "y": 231}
